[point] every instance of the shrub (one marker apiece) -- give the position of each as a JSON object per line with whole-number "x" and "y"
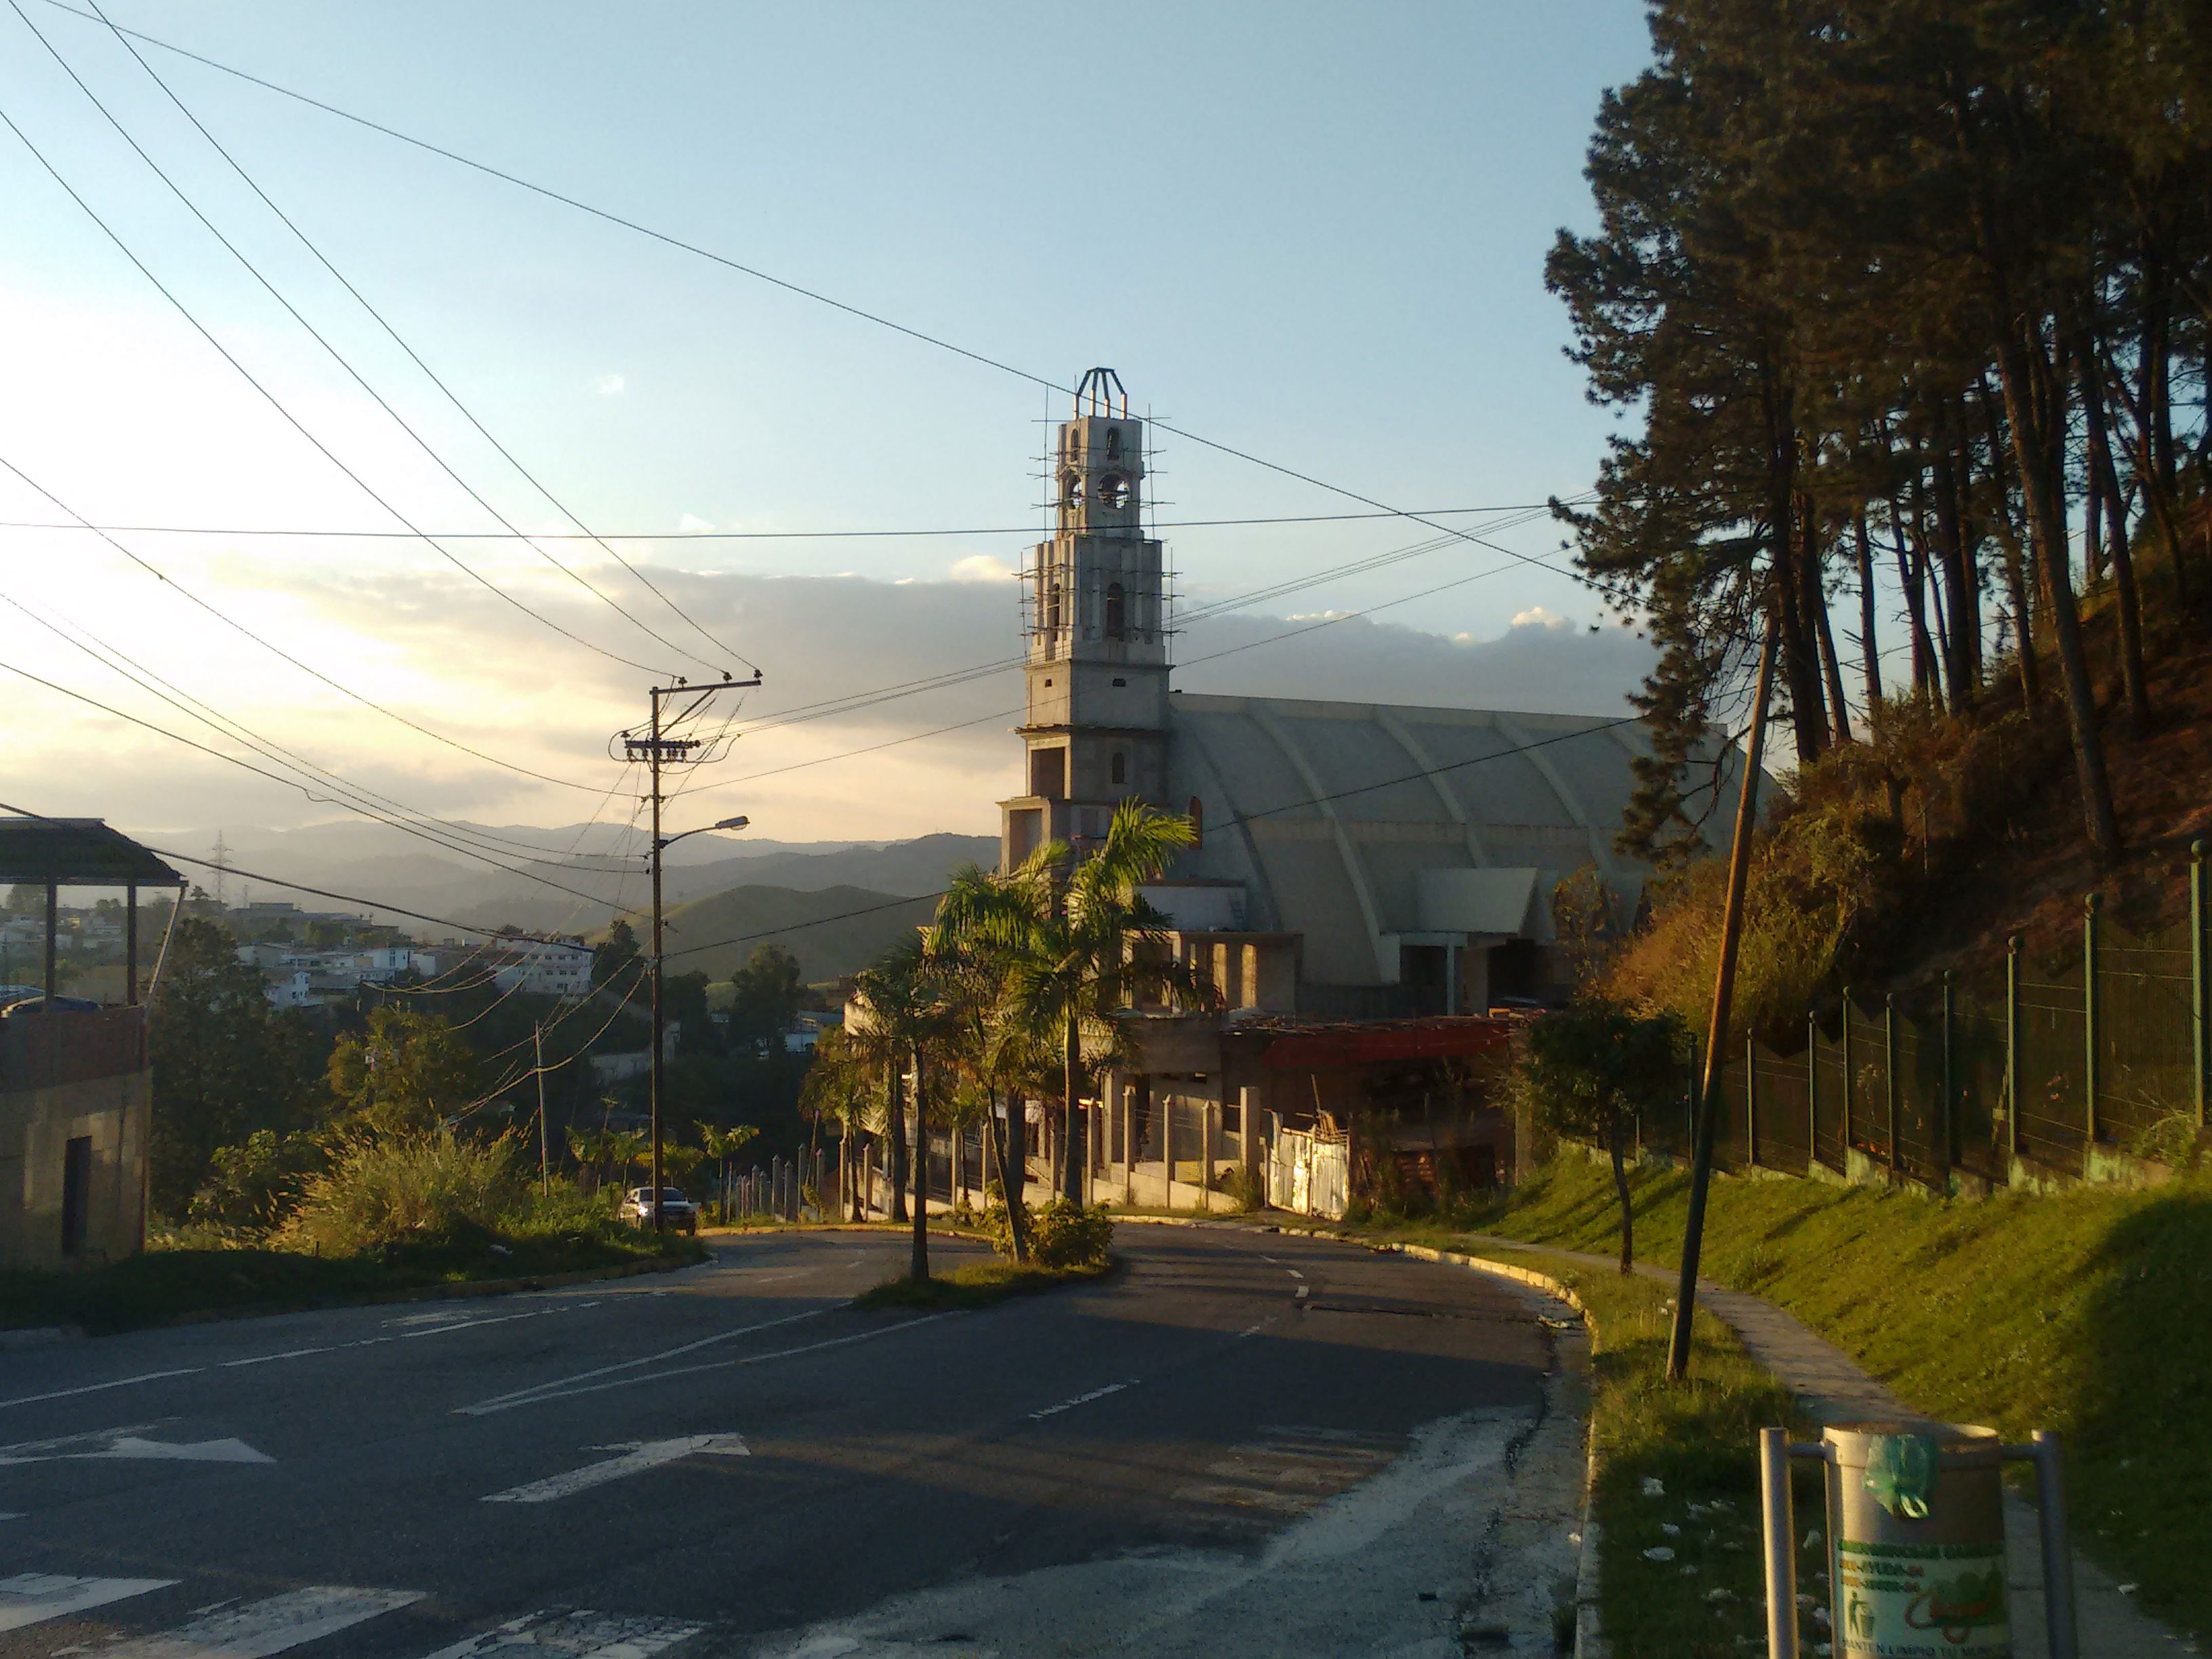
{"x": 1064, "y": 1235}
{"x": 409, "y": 1188}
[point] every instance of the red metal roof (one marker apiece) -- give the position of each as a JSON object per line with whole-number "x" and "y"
{"x": 1359, "y": 1045}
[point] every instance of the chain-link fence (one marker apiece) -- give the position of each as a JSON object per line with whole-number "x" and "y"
{"x": 2106, "y": 1045}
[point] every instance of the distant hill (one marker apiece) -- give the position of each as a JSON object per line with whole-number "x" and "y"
{"x": 397, "y": 872}
{"x": 833, "y": 931}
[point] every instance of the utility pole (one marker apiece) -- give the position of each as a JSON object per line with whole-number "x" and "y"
{"x": 1708, "y": 1100}
{"x": 537, "y": 1061}
{"x": 659, "y": 752}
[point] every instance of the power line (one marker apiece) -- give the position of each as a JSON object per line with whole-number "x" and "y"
{"x": 289, "y": 783}
{"x": 739, "y": 535}
{"x": 277, "y": 650}
{"x": 1611, "y": 591}
{"x": 451, "y": 397}
{"x": 293, "y": 420}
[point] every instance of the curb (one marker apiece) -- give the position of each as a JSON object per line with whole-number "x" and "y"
{"x": 1591, "y": 1642}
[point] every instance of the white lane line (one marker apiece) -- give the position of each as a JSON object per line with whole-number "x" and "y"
{"x": 261, "y": 1628}
{"x": 510, "y": 1403}
{"x": 1302, "y": 1289}
{"x": 1084, "y": 1399}
{"x": 521, "y": 1396}
{"x": 31, "y": 1598}
{"x": 636, "y": 1457}
{"x": 1270, "y": 1258}
{"x": 494, "y": 1319}
{"x": 1294, "y": 1272}
{"x": 95, "y": 1388}
{"x": 577, "y": 1635}
{"x": 289, "y": 1353}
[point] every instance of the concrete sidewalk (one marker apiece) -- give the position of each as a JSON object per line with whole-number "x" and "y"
{"x": 1831, "y": 1388}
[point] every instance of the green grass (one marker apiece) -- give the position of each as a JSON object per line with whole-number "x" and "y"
{"x": 166, "y": 1285}
{"x": 2089, "y": 1312}
{"x": 979, "y": 1284}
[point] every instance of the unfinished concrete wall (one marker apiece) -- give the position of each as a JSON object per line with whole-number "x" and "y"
{"x": 112, "y": 1115}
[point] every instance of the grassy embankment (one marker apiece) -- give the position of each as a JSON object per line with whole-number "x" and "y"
{"x": 2089, "y": 1313}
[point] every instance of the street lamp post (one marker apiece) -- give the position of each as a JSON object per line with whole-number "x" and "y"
{"x": 661, "y": 844}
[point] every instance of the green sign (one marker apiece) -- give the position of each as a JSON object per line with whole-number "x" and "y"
{"x": 1921, "y": 1602}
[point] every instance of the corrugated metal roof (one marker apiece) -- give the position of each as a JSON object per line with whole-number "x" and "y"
{"x": 77, "y": 853}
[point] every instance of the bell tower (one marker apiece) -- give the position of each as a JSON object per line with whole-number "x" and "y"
{"x": 1095, "y": 618}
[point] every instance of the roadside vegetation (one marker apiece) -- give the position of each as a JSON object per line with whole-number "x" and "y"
{"x": 2089, "y": 1312}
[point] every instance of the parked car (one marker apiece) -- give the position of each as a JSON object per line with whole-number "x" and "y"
{"x": 675, "y": 1210}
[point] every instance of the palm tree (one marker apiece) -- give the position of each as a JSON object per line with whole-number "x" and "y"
{"x": 722, "y": 1146}
{"x": 906, "y": 1010}
{"x": 839, "y": 1085}
{"x": 1079, "y": 943}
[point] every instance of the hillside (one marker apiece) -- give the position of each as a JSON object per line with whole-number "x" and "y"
{"x": 832, "y": 931}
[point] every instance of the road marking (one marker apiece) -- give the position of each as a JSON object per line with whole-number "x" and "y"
{"x": 1303, "y": 1289}
{"x": 637, "y": 1456}
{"x": 127, "y": 1442}
{"x": 577, "y": 1635}
{"x": 520, "y": 1396}
{"x": 1084, "y": 1399}
{"x": 289, "y": 1353}
{"x": 261, "y": 1628}
{"x": 509, "y": 1404}
{"x": 31, "y": 1598}
{"x": 1294, "y": 1272}
{"x": 95, "y": 1388}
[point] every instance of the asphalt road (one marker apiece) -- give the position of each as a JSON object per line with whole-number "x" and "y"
{"x": 1243, "y": 1443}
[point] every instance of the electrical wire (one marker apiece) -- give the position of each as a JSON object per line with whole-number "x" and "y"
{"x": 467, "y": 414}
{"x": 274, "y": 649}
{"x": 295, "y": 421}
{"x": 741, "y": 535}
{"x": 1617, "y": 594}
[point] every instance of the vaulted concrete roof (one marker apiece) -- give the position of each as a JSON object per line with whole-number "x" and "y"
{"x": 1331, "y": 812}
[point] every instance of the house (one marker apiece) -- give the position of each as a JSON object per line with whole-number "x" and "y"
{"x": 76, "y": 1090}
{"x": 1372, "y": 889}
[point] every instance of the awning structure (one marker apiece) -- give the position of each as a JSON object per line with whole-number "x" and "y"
{"x": 77, "y": 853}
{"x": 1383, "y": 1040}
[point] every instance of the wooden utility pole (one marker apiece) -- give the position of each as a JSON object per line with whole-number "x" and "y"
{"x": 657, "y": 752}
{"x": 537, "y": 1065}
{"x": 1708, "y": 1102}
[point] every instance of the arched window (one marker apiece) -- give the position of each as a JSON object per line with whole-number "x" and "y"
{"x": 1117, "y": 614}
{"x": 1049, "y": 580}
{"x": 1121, "y": 767}
{"x": 1112, "y": 443}
{"x": 1197, "y": 821}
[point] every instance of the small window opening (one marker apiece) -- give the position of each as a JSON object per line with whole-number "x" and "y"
{"x": 1112, "y": 443}
{"x": 1121, "y": 767}
{"x": 1197, "y": 821}
{"x": 1117, "y": 612}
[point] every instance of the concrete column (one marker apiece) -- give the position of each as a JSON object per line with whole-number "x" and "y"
{"x": 1164, "y": 1106}
{"x": 1209, "y": 1108}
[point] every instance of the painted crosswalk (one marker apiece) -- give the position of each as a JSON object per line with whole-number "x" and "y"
{"x": 273, "y": 1624}
{"x": 32, "y": 1598}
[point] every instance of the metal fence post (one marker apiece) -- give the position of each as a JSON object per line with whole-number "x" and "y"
{"x": 1751, "y": 1101}
{"x": 1850, "y": 1082}
{"x": 1889, "y": 1077}
{"x": 1946, "y": 1112}
{"x": 2200, "y": 984}
{"x": 1778, "y": 1537}
{"x": 2089, "y": 1001}
{"x": 1812, "y": 1090}
{"x": 2012, "y": 1047}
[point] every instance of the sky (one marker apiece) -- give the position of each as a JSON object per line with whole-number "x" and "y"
{"x": 1313, "y": 235}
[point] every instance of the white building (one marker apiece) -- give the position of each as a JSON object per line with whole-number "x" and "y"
{"x": 548, "y": 968}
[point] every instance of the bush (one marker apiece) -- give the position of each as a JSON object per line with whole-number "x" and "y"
{"x": 1062, "y": 1235}
{"x": 412, "y": 1188}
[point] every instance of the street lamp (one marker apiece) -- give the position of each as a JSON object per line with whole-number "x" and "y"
{"x": 661, "y": 844}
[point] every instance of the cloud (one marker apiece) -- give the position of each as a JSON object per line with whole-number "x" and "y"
{"x": 982, "y": 568}
{"x": 692, "y": 524}
{"x": 1536, "y": 616}
{"x": 607, "y": 386}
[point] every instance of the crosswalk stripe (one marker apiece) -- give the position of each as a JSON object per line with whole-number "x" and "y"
{"x": 577, "y": 1634}
{"x": 267, "y": 1626}
{"x": 31, "y": 1598}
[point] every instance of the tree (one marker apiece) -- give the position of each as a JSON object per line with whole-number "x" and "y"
{"x": 1590, "y": 1069}
{"x": 224, "y": 1063}
{"x": 615, "y": 953}
{"x": 905, "y": 1013}
{"x": 722, "y": 1146}
{"x": 841, "y": 1085}
{"x": 765, "y": 994}
{"x": 1080, "y": 944}
{"x": 407, "y": 1071}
